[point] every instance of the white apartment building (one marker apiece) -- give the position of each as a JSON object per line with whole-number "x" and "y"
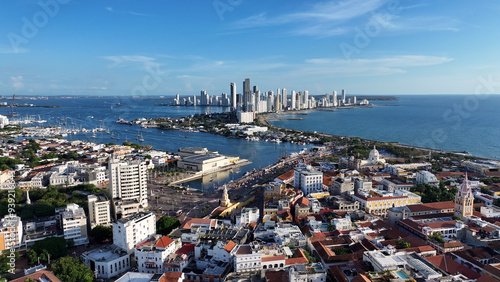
{"x": 308, "y": 180}
{"x": 99, "y": 210}
{"x": 247, "y": 258}
{"x": 152, "y": 253}
{"x": 3, "y": 121}
{"x": 108, "y": 261}
{"x": 128, "y": 232}
{"x": 248, "y": 215}
{"x": 11, "y": 232}
{"x": 74, "y": 223}
{"x": 128, "y": 187}
{"x": 426, "y": 177}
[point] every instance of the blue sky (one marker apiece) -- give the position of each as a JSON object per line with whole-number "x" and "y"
{"x": 167, "y": 47}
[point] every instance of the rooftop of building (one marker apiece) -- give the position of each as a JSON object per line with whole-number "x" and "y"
{"x": 99, "y": 197}
{"x": 105, "y": 254}
{"x": 135, "y": 217}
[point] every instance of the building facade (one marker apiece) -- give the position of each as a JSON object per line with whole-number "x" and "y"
{"x": 99, "y": 210}
{"x": 128, "y": 187}
{"x": 128, "y": 232}
{"x": 74, "y": 223}
{"x": 308, "y": 180}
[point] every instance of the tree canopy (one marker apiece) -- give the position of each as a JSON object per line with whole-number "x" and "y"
{"x": 166, "y": 224}
{"x": 101, "y": 233}
{"x": 70, "y": 269}
{"x": 432, "y": 194}
{"x": 54, "y": 246}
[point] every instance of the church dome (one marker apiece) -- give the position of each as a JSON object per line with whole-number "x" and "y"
{"x": 374, "y": 155}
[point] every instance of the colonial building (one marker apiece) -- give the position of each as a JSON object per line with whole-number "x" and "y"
{"x": 464, "y": 199}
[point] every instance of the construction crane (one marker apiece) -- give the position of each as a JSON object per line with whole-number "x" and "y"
{"x": 12, "y": 112}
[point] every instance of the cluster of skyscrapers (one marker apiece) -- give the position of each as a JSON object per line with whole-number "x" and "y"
{"x": 252, "y": 100}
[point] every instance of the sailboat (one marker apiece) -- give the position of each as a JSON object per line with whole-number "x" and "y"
{"x": 94, "y": 135}
{"x": 112, "y": 135}
{"x": 141, "y": 138}
{"x": 118, "y": 137}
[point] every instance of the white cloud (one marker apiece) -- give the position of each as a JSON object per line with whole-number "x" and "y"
{"x": 372, "y": 67}
{"x": 110, "y": 9}
{"x": 122, "y": 60}
{"x": 17, "y": 82}
{"x": 333, "y": 18}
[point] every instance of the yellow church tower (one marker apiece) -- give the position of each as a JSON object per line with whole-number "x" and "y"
{"x": 225, "y": 198}
{"x": 464, "y": 199}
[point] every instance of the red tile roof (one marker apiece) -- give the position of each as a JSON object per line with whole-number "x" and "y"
{"x": 37, "y": 276}
{"x": 432, "y": 206}
{"x": 450, "y": 266}
{"x": 272, "y": 258}
{"x": 287, "y": 175}
{"x": 163, "y": 242}
{"x": 170, "y": 276}
{"x": 230, "y": 246}
{"x": 276, "y": 276}
{"x": 187, "y": 225}
{"x": 186, "y": 249}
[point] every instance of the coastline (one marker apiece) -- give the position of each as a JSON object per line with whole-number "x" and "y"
{"x": 263, "y": 119}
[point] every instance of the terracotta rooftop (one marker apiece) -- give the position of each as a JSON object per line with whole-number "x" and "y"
{"x": 452, "y": 267}
{"x": 229, "y": 246}
{"x": 276, "y": 276}
{"x": 187, "y": 225}
{"x": 432, "y": 206}
{"x": 163, "y": 242}
{"x": 272, "y": 258}
{"x": 42, "y": 275}
{"x": 186, "y": 249}
{"x": 287, "y": 175}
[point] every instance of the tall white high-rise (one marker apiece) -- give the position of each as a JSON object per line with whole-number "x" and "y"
{"x": 232, "y": 90}
{"x": 335, "y": 101}
{"x": 194, "y": 100}
{"x": 294, "y": 99}
{"x": 128, "y": 187}
{"x": 306, "y": 99}
{"x": 284, "y": 98}
{"x": 343, "y": 96}
{"x": 354, "y": 102}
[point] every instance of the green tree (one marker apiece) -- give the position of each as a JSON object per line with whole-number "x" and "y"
{"x": 402, "y": 244}
{"x": 101, "y": 233}
{"x": 5, "y": 260}
{"x": 32, "y": 256}
{"x": 55, "y": 246}
{"x": 70, "y": 269}
{"x": 166, "y": 224}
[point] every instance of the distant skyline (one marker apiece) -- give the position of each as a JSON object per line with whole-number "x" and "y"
{"x": 115, "y": 48}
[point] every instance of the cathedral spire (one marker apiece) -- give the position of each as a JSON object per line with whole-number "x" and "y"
{"x": 464, "y": 199}
{"x": 225, "y": 198}
{"x": 28, "y": 200}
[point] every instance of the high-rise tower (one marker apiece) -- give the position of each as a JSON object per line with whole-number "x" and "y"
{"x": 232, "y": 90}
{"x": 247, "y": 95}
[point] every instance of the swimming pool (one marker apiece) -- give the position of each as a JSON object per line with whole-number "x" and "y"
{"x": 401, "y": 274}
